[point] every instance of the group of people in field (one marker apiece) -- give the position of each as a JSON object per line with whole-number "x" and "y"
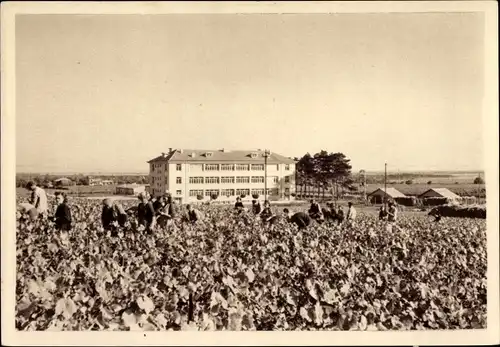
{"x": 329, "y": 215}
{"x": 162, "y": 211}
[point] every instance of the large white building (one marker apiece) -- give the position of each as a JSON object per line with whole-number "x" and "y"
{"x": 191, "y": 174}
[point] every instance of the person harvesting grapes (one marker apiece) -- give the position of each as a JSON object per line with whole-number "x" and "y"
{"x": 300, "y": 219}
{"x": 194, "y": 215}
{"x": 351, "y": 215}
{"x": 62, "y": 217}
{"x": 146, "y": 213}
{"x": 38, "y": 199}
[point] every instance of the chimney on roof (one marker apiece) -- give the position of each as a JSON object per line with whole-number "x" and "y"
{"x": 163, "y": 154}
{"x": 170, "y": 149}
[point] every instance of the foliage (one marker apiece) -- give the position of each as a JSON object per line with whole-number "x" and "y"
{"x": 409, "y": 182}
{"x": 472, "y": 211}
{"x": 478, "y": 180}
{"x": 324, "y": 170}
{"x": 199, "y": 197}
{"x": 255, "y": 196}
{"x": 234, "y": 274}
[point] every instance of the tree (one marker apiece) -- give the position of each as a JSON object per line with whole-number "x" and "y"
{"x": 305, "y": 171}
{"x": 409, "y": 182}
{"x": 478, "y": 180}
{"x": 429, "y": 182}
{"x": 214, "y": 196}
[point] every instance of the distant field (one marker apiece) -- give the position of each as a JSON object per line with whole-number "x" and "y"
{"x": 77, "y": 190}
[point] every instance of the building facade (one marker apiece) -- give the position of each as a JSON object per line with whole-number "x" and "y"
{"x": 201, "y": 175}
{"x": 130, "y": 189}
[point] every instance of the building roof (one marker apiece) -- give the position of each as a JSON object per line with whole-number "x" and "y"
{"x": 62, "y": 179}
{"x": 392, "y": 192}
{"x": 444, "y": 192}
{"x": 239, "y": 156}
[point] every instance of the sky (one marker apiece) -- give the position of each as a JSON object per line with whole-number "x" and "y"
{"x": 107, "y": 93}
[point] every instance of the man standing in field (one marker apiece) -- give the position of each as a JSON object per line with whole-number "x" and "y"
{"x": 351, "y": 215}
{"x": 38, "y": 199}
{"x": 146, "y": 213}
{"x": 392, "y": 213}
{"x": 256, "y": 208}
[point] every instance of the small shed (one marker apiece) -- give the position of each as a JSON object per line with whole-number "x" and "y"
{"x": 439, "y": 193}
{"x": 63, "y": 182}
{"x": 379, "y": 195}
{"x": 130, "y": 189}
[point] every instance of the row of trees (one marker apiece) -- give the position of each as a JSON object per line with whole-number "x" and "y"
{"x": 79, "y": 179}
{"x": 326, "y": 172}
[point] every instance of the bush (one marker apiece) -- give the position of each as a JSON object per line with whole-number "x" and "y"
{"x": 474, "y": 211}
{"x": 255, "y": 196}
{"x": 409, "y": 182}
{"x": 243, "y": 196}
{"x": 429, "y": 182}
{"x": 478, "y": 180}
{"x": 293, "y": 194}
{"x": 214, "y": 196}
{"x": 199, "y": 197}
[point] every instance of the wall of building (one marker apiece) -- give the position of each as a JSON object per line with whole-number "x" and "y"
{"x": 164, "y": 177}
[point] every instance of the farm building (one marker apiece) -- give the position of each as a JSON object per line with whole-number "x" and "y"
{"x": 439, "y": 193}
{"x": 439, "y": 196}
{"x": 130, "y": 189}
{"x": 378, "y": 196}
{"x": 63, "y": 182}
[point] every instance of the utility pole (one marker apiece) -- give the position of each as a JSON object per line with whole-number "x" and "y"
{"x": 385, "y": 186}
{"x": 363, "y": 175}
{"x": 266, "y": 154}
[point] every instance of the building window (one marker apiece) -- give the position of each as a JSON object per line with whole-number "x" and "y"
{"x": 287, "y": 179}
{"x": 227, "y": 167}
{"x": 227, "y": 192}
{"x": 242, "y": 167}
{"x": 287, "y": 167}
{"x": 196, "y": 180}
{"x": 210, "y": 192}
{"x": 227, "y": 180}
{"x": 178, "y": 180}
{"x": 196, "y": 167}
{"x": 258, "y": 191}
{"x": 196, "y": 192}
{"x": 178, "y": 192}
{"x": 287, "y": 190}
{"x": 242, "y": 179}
{"x": 257, "y": 167}
{"x": 277, "y": 167}
{"x": 212, "y": 180}
{"x": 178, "y": 167}
{"x": 275, "y": 179}
{"x": 257, "y": 179}
{"x": 211, "y": 167}
{"x": 273, "y": 191}
{"x": 240, "y": 192}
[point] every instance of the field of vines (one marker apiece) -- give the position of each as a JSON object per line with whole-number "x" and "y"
{"x": 228, "y": 274}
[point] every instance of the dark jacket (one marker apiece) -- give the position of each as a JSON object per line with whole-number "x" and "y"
{"x": 62, "y": 217}
{"x": 301, "y": 219}
{"x": 145, "y": 213}
{"x": 256, "y": 208}
{"x": 108, "y": 216}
